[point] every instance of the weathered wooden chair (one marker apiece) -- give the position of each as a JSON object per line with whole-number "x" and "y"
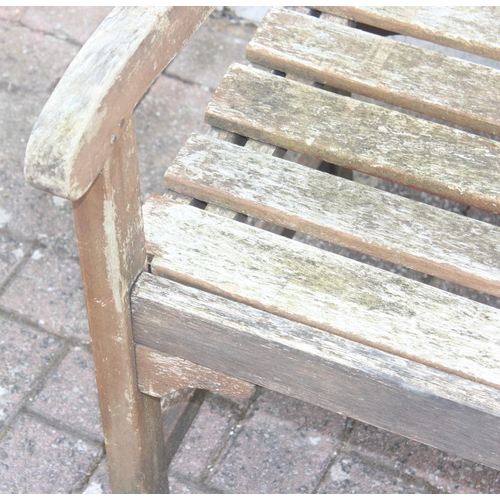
{"x": 198, "y": 299}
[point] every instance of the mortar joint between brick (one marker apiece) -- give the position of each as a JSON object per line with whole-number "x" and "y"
{"x": 226, "y": 441}
{"x": 346, "y": 434}
{"x": 61, "y": 426}
{"x": 85, "y": 482}
{"x": 21, "y": 319}
{"x": 38, "y": 385}
{"x": 18, "y": 266}
{"x": 202, "y": 487}
{"x": 388, "y": 469}
{"x": 173, "y": 76}
{"x": 66, "y": 38}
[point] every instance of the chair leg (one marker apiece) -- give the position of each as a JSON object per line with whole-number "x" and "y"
{"x": 175, "y": 379}
{"x": 112, "y": 254}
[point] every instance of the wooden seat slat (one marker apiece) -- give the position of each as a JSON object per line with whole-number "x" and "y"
{"x": 323, "y": 290}
{"x": 367, "y": 384}
{"x": 378, "y": 67}
{"x": 403, "y": 231}
{"x": 343, "y": 131}
{"x": 472, "y": 29}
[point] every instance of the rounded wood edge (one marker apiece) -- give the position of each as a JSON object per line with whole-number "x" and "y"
{"x": 84, "y": 117}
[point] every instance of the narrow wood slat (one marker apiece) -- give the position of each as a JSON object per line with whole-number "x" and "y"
{"x": 231, "y": 138}
{"x": 183, "y": 405}
{"x": 323, "y": 290}
{"x": 361, "y": 136}
{"x": 472, "y": 29}
{"x": 267, "y": 149}
{"x": 378, "y": 67}
{"x": 343, "y": 212}
{"x": 178, "y": 197}
{"x": 224, "y": 212}
{"x": 443, "y": 410}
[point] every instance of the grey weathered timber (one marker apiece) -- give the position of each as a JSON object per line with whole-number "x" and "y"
{"x": 343, "y": 131}
{"x": 84, "y": 117}
{"x": 316, "y": 287}
{"x": 422, "y": 403}
{"x": 159, "y": 374}
{"x": 472, "y": 29}
{"x": 380, "y": 68}
{"x": 426, "y": 238}
{"x": 111, "y": 243}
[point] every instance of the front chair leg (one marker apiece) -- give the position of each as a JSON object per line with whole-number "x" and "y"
{"x": 110, "y": 235}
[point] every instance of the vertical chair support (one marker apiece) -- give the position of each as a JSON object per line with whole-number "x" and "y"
{"x": 83, "y": 148}
{"x": 111, "y": 242}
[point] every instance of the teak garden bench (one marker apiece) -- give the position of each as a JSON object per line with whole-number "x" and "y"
{"x": 194, "y": 298}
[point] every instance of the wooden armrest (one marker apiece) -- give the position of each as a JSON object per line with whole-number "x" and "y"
{"x": 85, "y": 115}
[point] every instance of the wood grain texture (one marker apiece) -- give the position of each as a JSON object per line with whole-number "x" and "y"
{"x": 83, "y": 119}
{"x": 422, "y": 403}
{"x": 316, "y": 288}
{"x": 472, "y": 29}
{"x": 160, "y": 374}
{"x": 381, "y": 68}
{"x": 343, "y": 212}
{"x": 361, "y": 136}
{"x": 112, "y": 254}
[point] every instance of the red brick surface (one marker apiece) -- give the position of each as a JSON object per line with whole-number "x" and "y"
{"x": 55, "y": 295}
{"x": 283, "y": 446}
{"x": 70, "y": 394}
{"x": 25, "y": 355}
{"x": 38, "y": 458}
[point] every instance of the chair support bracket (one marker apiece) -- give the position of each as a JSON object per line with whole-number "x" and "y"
{"x": 160, "y": 374}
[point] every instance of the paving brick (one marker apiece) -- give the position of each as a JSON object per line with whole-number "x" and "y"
{"x": 37, "y": 458}
{"x": 30, "y": 60}
{"x": 165, "y": 118}
{"x": 206, "y": 57}
{"x": 99, "y": 481}
{"x": 282, "y": 447}
{"x": 350, "y": 474}
{"x": 18, "y": 112}
{"x": 253, "y": 14}
{"x": 33, "y": 214}
{"x": 13, "y": 14}
{"x": 11, "y": 251}
{"x": 204, "y": 439}
{"x": 70, "y": 394}
{"x": 178, "y": 487}
{"x": 446, "y": 472}
{"x": 25, "y": 354}
{"x": 55, "y": 293}
{"x": 74, "y": 23}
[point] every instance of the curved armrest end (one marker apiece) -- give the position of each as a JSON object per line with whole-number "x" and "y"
{"x": 85, "y": 115}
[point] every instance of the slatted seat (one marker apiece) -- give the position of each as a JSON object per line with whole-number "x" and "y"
{"x": 224, "y": 305}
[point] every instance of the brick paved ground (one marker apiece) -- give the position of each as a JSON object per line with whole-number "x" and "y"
{"x": 50, "y": 434}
